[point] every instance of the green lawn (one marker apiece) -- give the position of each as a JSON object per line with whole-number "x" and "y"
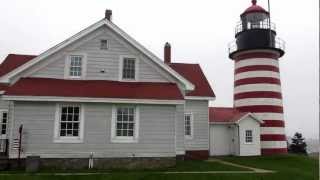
{"x": 289, "y": 167}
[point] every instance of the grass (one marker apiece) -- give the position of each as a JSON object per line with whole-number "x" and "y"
{"x": 288, "y": 167}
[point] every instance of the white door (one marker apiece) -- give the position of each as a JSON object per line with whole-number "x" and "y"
{"x": 3, "y": 131}
{"x": 219, "y": 140}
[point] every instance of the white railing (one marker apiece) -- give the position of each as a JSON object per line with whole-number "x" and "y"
{"x": 257, "y": 25}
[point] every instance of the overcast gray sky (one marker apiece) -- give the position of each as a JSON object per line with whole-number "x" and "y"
{"x": 198, "y": 31}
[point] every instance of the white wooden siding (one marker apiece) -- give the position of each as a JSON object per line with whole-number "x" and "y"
{"x": 98, "y": 60}
{"x": 179, "y": 129}
{"x": 156, "y": 135}
{"x": 199, "y": 110}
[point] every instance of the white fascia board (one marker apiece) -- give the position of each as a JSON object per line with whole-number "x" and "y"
{"x": 188, "y": 85}
{"x": 86, "y": 99}
{"x": 252, "y": 116}
{"x": 199, "y": 98}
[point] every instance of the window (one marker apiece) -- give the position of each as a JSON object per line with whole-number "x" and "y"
{"x": 129, "y": 68}
{"x": 3, "y": 122}
{"x": 125, "y": 124}
{"x": 104, "y": 44}
{"x": 69, "y": 123}
{"x": 248, "y": 137}
{"x": 75, "y": 66}
{"x": 188, "y": 123}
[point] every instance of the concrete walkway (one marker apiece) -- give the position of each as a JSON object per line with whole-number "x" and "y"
{"x": 254, "y": 170}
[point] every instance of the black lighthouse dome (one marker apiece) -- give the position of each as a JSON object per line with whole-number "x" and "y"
{"x": 255, "y": 32}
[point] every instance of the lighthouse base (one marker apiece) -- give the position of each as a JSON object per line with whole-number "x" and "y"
{"x": 267, "y": 152}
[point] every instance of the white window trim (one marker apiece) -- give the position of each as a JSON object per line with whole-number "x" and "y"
{"x": 68, "y": 63}
{"x": 136, "y": 63}
{"x": 191, "y": 124}
{"x": 4, "y": 136}
{"x": 135, "y": 138}
{"x": 108, "y": 44}
{"x": 245, "y": 135}
{"x": 57, "y": 138}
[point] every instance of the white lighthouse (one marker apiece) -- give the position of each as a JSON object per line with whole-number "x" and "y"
{"x": 257, "y": 88}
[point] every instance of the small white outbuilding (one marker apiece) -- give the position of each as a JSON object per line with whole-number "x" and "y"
{"x": 234, "y": 133}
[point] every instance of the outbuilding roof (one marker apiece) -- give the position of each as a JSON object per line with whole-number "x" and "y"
{"x": 224, "y": 114}
{"x": 227, "y": 115}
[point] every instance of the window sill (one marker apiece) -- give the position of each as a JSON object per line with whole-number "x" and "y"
{"x": 129, "y": 80}
{"x": 248, "y": 143}
{"x": 124, "y": 140}
{"x": 68, "y": 140}
{"x": 188, "y": 137}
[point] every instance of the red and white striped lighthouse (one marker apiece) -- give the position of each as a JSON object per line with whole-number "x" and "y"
{"x": 257, "y": 88}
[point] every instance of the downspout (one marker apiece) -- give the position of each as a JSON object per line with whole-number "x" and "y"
{"x": 239, "y": 139}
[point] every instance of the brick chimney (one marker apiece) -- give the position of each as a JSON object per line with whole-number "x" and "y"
{"x": 167, "y": 53}
{"x": 108, "y": 14}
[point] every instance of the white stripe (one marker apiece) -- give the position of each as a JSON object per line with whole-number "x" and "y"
{"x": 272, "y": 130}
{"x": 273, "y": 144}
{"x": 258, "y": 101}
{"x": 257, "y": 87}
{"x": 252, "y": 74}
{"x": 269, "y": 116}
{"x": 256, "y": 61}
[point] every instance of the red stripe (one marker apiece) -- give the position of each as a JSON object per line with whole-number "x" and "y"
{"x": 261, "y": 109}
{"x": 257, "y": 80}
{"x": 258, "y": 94}
{"x": 257, "y": 68}
{"x": 271, "y": 151}
{"x": 250, "y": 55}
{"x": 273, "y": 137}
{"x": 273, "y": 123}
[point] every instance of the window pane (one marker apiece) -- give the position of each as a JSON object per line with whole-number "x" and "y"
{"x": 75, "y": 133}
{"x": 69, "y": 117}
{"x": 130, "y": 133}
{"x": 69, "y": 132}
{"x": 75, "y": 125}
{"x": 119, "y": 125}
{"x": 69, "y": 125}
{"x": 128, "y": 69}
{"x": 62, "y": 133}
{"x": 104, "y": 44}
{"x": 125, "y": 125}
{"x": 76, "y": 110}
{"x": 64, "y": 110}
{"x": 131, "y": 125}
{"x": 63, "y": 126}
{"x": 118, "y": 132}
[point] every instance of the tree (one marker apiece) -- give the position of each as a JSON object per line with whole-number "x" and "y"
{"x": 298, "y": 144}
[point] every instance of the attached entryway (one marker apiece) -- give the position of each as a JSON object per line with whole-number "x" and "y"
{"x": 234, "y": 133}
